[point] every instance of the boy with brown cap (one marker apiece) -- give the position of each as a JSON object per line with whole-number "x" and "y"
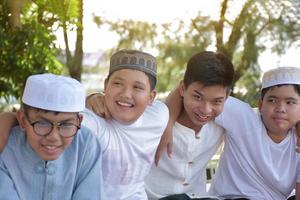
{"x": 130, "y": 139}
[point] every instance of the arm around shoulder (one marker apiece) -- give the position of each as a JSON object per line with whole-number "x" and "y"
{"x": 7, "y": 121}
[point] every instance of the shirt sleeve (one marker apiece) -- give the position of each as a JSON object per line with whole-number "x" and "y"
{"x": 96, "y": 124}
{"x": 90, "y": 184}
{"x": 7, "y": 188}
{"x": 237, "y": 116}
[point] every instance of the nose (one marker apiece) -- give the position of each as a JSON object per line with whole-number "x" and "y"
{"x": 206, "y": 108}
{"x": 54, "y": 134}
{"x": 126, "y": 92}
{"x": 280, "y": 107}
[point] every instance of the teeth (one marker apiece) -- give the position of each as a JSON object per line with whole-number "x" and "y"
{"x": 50, "y": 147}
{"x": 124, "y": 104}
{"x": 202, "y": 117}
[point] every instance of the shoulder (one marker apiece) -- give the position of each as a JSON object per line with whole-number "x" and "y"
{"x": 16, "y": 138}
{"x": 158, "y": 108}
{"x": 85, "y": 140}
{"x": 158, "y": 112}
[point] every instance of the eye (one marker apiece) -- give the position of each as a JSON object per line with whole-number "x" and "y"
{"x": 43, "y": 123}
{"x": 291, "y": 102}
{"x": 116, "y": 83}
{"x": 139, "y": 87}
{"x": 218, "y": 102}
{"x": 271, "y": 100}
{"x": 197, "y": 97}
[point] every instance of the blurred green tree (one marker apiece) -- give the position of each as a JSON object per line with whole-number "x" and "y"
{"x": 26, "y": 47}
{"x": 258, "y": 25}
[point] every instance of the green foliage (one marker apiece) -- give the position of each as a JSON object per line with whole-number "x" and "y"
{"x": 24, "y": 51}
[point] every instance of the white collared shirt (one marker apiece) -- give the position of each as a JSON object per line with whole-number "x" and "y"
{"x": 185, "y": 172}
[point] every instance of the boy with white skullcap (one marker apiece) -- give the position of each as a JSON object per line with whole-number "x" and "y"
{"x": 259, "y": 160}
{"x": 50, "y": 155}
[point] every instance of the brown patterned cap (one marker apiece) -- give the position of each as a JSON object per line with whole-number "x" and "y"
{"x": 133, "y": 59}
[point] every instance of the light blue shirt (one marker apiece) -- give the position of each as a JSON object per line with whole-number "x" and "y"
{"x": 76, "y": 174}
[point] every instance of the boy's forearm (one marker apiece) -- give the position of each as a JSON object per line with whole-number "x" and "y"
{"x": 7, "y": 121}
{"x": 175, "y": 104}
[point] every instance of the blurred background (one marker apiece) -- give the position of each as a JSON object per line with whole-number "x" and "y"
{"x": 77, "y": 37}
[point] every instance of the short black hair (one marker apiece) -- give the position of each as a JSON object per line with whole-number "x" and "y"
{"x": 209, "y": 68}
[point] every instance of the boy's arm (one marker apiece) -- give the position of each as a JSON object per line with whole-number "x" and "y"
{"x": 95, "y": 102}
{"x": 7, "y": 121}
{"x": 7, "y": 188}
{"x": 174, "y": 103}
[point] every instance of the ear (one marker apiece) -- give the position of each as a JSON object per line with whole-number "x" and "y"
{"x": 181, "y": 88}
{"x": 259, "y": 104}
{"x": 21, "y": 119}
{"x": 80, "y": 116}
{"x": 105, "y": 83}
{"x": 152, "y": 96}
{"x": 228, "y": 92}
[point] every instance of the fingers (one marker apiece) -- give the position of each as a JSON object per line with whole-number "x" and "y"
{"x": 170, "y": 148}
{"x": 158, "y": 153}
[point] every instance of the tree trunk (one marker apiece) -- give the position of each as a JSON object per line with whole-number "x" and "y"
{"x": 15, "y": 7}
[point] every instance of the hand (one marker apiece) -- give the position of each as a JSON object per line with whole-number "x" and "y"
{"x": 96, "y": 103}
{"x": 7, "y": 121}
{"x": 165, "y": 141}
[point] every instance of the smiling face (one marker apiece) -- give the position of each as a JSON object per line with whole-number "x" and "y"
{"x": 201, "y": 104}
{"x": 51, "y": 146}
{"x": 280, "y": 109}
{"x": 127, "y": 94}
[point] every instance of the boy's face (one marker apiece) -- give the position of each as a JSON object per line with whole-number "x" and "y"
{"x": 127, "y": 94}
{"x": 280, "y": 109}
{"x": 201, "y": 103}
{"x": 52, "y": 145}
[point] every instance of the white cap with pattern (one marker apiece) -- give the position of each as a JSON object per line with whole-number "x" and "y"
{"x": 54, "y": 93}
{"x": 281, "y": 75}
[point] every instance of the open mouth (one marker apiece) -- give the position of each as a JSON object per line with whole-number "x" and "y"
{"x": 125, "y": 104}
{"x": 202, "y": 117}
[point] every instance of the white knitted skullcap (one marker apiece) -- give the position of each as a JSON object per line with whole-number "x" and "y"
{"x": 54, "y": 92}
{"x": 281, "y": 75}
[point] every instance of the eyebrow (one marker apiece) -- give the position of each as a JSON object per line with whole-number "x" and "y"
{"x": 288, "y": 98}
{"x": 136, "y": 82}
{"x": 217, "y": 98}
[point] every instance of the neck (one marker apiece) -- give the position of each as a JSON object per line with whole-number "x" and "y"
{"x": 184, "y": 120}
{"x": 277, "y": 137}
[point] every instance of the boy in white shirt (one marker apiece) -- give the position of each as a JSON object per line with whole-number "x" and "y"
{"x": 206, "y": 85}
{"x": 259, "y": 159}
{"x": 130, "y": 139}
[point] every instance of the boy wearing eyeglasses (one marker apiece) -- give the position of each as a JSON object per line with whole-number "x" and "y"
{"x": 50, "y": 155}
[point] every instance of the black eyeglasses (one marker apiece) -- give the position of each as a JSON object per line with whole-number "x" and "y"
{"x": 44, "y": 128}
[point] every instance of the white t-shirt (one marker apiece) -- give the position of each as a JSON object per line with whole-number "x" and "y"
{"x": 185, "y": 172}
{"x": 128, "y": 150}
{"x": 252, "y": 165}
